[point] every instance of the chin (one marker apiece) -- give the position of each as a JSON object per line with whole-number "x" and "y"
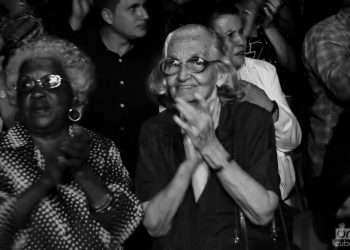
{"x": 140, "y": 33}
{"x": 186, "y": 94}
{"x": 238, "y": 62}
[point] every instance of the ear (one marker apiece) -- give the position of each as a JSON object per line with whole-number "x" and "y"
{"x": 107, "y": 15}
{"x": 78, "y": 105}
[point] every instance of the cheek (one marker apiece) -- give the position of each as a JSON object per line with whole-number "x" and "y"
{"x": 170, "y": 81}
{"x": 170, "y": 85}
{"x": 23, "y": 101}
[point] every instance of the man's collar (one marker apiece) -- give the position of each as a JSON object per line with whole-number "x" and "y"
{"x": 124, "y": 45}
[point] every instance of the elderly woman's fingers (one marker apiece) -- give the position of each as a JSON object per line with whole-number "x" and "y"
{"x": 182, "y": 124}
{"x": 270, "y": 10}
{"x": 185, "y": 108}
{"x": 201, "y": 101}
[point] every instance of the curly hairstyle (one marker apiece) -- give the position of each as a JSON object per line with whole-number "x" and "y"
{"x": 227, "y": 90}
{"x": 77, "y": 66}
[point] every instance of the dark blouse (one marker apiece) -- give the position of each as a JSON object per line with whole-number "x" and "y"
{"x": 246, "y": 131}
{"x": 63, "y": 219}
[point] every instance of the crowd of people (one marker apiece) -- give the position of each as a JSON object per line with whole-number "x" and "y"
{"x": 173, "y": 124}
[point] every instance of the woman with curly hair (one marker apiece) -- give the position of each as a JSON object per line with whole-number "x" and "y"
{"x": 61, "y": 186}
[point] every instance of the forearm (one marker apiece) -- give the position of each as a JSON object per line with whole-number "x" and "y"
{"x": 287, "y": 131}
{"x": 251, "y": 13}
{"x": 285, "y": 54}
{"x": 160, "y": 210}
{"x": 256, "y": 202}
{"x": 97, "y": 194}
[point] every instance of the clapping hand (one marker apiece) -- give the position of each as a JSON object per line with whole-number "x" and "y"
{"x": 270, "y": 8}
{"x": 75, "y": 150}
{"x": 196, "y": 121}
{"x": 71, "y": 157}
{"x": 192, "y": 155}
{"x": 80, "y": 8}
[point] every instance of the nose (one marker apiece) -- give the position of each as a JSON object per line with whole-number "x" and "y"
{"x": 183, "y": 73}
{"x": 142, "y": 12}
{"x": 239, "y": 39}
{"x": 37, "y": 92}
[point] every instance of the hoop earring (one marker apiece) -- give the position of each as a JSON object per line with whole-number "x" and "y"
{"x": 74, "y": 115}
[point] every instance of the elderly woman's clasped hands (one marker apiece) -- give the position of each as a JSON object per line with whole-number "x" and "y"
{"x": 196, "y": 121}
{"x": 72, "y": 157}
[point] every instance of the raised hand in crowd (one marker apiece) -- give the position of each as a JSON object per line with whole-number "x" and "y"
{"x": 80, "y": 8}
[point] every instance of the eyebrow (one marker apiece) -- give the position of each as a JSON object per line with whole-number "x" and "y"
{"x": 135, "y": 5}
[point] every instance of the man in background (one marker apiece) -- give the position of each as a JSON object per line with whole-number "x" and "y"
{"x": 119, "y": 103}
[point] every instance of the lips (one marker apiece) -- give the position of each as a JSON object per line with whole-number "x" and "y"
{"x": 239, "y": 53}
{"x": 40, "y": 107}
{"x": 186, "y": 86}
{"x": 142, "y": 26}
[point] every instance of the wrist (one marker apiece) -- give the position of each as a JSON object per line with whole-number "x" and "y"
{"x": 103, "y": 204}
{"x": 216, "y": 156}
{"x": 269, "y": 27}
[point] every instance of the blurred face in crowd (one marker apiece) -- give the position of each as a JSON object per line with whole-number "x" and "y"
{"x": 190, "y": 64}
{"x": 42, "y": 109}
{"x": 231, "y": 26}
{"x": 129, "y": 18}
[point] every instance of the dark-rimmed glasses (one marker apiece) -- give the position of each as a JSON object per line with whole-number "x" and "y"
{"x": 171, "y": 66}
{"x": 49, "y": 81}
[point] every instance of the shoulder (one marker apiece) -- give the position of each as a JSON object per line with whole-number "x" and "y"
{"x": 160, "y": 123}
{"x": 260, "y": 66}
{"x": 98, "y": 142}
{"x": 246, "y": 115}
{"x": 322, "y": 29}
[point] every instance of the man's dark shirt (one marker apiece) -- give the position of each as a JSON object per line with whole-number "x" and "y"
{"x": 119, "y": 104}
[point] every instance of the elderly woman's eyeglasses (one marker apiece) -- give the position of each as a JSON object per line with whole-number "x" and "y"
{"x": 171, "y": 66}
{"x": 50, "y": 81}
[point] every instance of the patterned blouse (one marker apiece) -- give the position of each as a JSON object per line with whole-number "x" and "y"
{"x": 63, "y": 219}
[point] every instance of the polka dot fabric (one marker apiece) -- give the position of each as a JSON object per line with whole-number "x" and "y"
{"x": 64, "y": 220}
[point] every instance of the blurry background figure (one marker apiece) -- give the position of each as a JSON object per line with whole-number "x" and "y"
{"x": 123, "y": 60}
{"x": 325, "y": 55}
{"x": 265, "y": 41}
{"x": 263, "y": 89}
{"x": 19, "y": 25}
{"x": 62, "y": 186}
{"x": 335, "y": 181}
{"x": 270, "y": 39}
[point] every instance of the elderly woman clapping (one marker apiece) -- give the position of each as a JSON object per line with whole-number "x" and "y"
{"x": 207, "y": 158}
{"x": 62, "y": 186}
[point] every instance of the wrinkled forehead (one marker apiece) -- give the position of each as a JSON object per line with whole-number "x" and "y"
{"x": 185, "y": 44}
